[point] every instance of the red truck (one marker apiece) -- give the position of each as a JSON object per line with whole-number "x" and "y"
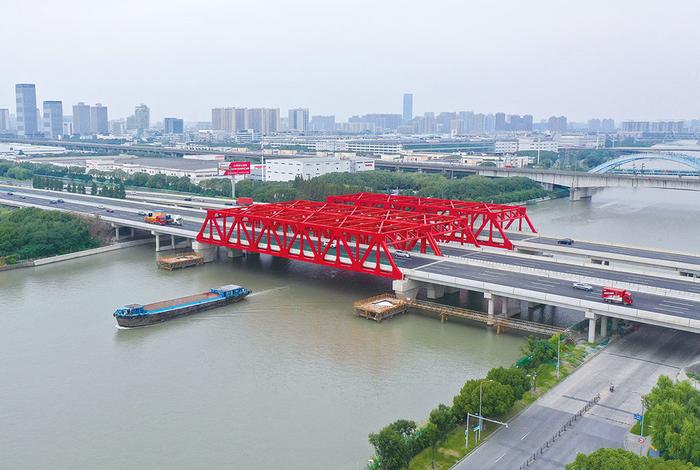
{"x": 615, "y": 295}
{"x": 162, "y": 218}
{"x": 244, "y": 201}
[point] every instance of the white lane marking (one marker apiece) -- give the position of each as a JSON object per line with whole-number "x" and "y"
{"x": 525, "y": 435}
{"x": 676, "y": 302}
{"x": 499, "y": 458}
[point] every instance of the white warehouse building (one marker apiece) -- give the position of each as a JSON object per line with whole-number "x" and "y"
{"x": 287, "y": 169}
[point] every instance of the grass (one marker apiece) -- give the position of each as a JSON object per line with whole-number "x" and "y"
{"x": 636, "y": 428}
{"x": 453, "y": 448}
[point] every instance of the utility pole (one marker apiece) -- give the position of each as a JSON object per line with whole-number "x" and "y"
{"x": 558, "y": 347}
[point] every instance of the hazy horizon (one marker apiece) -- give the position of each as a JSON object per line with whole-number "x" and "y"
{"x": 625, "y": 60}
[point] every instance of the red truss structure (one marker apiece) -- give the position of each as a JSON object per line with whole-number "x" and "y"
{"x": 487, "y": 222}
{"x": 356, "y": 238}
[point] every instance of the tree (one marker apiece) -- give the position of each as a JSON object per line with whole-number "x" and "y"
{"x": 513, "y": 376}
{"x": 620, "y": 459}
{"x": 393, "y": 444}
{"x": 496, "y": 398}
{"x": 431, "y": 434}
{"x": 539, "y": 351}
{"x": 93, "y": 189}
{"x": 443, "y": 419}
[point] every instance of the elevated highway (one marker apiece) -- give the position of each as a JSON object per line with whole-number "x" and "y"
{"x": 660, "y": 299}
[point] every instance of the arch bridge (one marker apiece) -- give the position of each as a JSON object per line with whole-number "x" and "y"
{"x": 690, "y": 162}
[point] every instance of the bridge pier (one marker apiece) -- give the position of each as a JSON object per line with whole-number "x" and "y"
{"x": 490, "y": 309}
{"x": 576, "y": 194}
{"x": 159, "y": 246}
{"x": 406, "y": 288}
{"x": 547, "y": 186}
{"x": 613, "y": 328}
{"x": 118, "y": 232}
{"x": 233, "y": 253}
{"x": 208, "y": 252}
{"x": 592, "y": 317}
{"x": 436, "y": 291}
{"x": 603, "y": 326}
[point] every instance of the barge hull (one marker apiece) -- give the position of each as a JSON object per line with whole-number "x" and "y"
{"x": 150, "y": 319}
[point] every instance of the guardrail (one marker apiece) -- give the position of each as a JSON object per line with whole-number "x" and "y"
{"x": 562, "y": 430}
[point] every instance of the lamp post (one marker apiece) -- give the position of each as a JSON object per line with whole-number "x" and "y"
{"x": 558, "y": 346}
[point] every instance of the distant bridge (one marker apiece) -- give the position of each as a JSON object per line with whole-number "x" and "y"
{"x": 692, "y": 163}
{"x": 581, "y": 184}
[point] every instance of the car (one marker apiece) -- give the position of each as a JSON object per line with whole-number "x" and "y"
{"x": 582, "y": 286}
{"x": 188, "y": 199}
{"x": 60, "y": 200}
{"x": 53, "y": 201}
{"x": 143, "y": 212}
{"x": 100, "y": 206}
{"x": 109, "y": 210}
{"x": 23, "y": 197}
{"x": 10, "y": 193}
{"x": 333, "y": 245}
{"x": 402, "y": 254}
{"x": 565, "y": 241}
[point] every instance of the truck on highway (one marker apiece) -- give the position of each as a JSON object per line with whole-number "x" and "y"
{"x": 162, "y": 218}
{"x": 615, "y": 295}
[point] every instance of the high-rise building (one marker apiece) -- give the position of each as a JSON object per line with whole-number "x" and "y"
{"x": 26, "y": 109}
{"x": 228, "y": 119}
{"x": 99, "y": 122}
{"x": 4, "y": 120}
{"x": 519, "y": 123}
{"x": 593, "y": 125}
{"x": 173, "y": 126}
{"x": 81, "y": 119}
{"x": 142, "y": 117}
{"x": 53, "y": 119}
{"x": 322, "y": 123}
{"x": 263, "y": 120}
{"x": 407, "y": 107}
{"x": 299, "y": 119}
{"x": 607, "y": 125}
{"x": 500, "y": 122}
{"x": 557, "y": 124}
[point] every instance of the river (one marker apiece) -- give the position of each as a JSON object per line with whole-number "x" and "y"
{"x": 289, "y": 378}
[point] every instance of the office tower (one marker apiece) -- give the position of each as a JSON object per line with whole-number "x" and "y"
{"x": 142, "y": 117}
{"x": 81, "y": 119}
{"x": 53, "y": 119}
{"x": 500, "y": 122}
{"x": 299, "y": 119}
{"x": 173, "y": 126}
{"x": 26, "y": 109}
{"x": 407, "y": 107}
{"x": 99, "y": 123}
{"x": 557, "y": 124}
{"x": 4, "y": 120}
{"x": 322, "y": 123}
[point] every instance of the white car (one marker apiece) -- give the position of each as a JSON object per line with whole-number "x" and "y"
{"x": 333, "y": 245}
{"x": 582, "y": 286}
{"x": 402, "y": 254}
{"x": 142, "y": 212}
{"x": 100, "y": 206}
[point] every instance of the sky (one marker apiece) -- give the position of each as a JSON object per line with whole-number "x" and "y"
{"x": 626, "y": 59}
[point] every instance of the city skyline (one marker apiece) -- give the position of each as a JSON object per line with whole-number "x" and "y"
{"x": 549, "y": 71}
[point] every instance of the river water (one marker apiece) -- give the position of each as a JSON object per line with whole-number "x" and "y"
{"x": 287, "y": 379}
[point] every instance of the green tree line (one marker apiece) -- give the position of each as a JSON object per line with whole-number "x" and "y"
{"x": 31, "y": 233}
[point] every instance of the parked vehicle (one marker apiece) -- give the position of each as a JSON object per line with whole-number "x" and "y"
{"x": 402, "y": 254}
{"x": 582, "y": 286}
{"x": 615, "y": 295}
{"x": 162, "y": 218}
{"x": 565, "y": 241}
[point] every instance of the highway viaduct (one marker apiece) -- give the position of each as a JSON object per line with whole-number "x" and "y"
{"x": 665, "y": 293}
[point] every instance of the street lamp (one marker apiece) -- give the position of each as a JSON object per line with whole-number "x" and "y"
{"x": 558, "y": 347}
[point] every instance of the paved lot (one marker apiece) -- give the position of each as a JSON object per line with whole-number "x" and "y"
{"x": 633, "y": 364}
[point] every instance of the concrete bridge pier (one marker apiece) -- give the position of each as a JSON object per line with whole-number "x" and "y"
{"x": 119, "y": 232}
{"x": 547, "y": 186}
{"x": 406, "y": 288}
{"x": 576, "y": 194}
{"x": 159, "y": 244}
{"x": 603, "y": 326}
{"x": 592, "y": 317}
{"x": 209, "y": 252}
{"x": 232, "y": 253}
{"x": 613, "y": 328}
{"x": 491, "y": 307}
{"x": 436, "y": 291}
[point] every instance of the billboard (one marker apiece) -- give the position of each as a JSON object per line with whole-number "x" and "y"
{"x": 237, "y": 168}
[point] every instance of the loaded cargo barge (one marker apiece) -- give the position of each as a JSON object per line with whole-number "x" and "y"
{"x": 143, "y": 315}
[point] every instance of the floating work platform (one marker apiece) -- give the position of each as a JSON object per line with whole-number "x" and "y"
{"x": 183, "y": 260}
{"x": 380, "y": 307}
{"x": 384, "y": 306}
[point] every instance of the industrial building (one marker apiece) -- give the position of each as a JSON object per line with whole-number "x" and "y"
{"x": 287, "y": 169}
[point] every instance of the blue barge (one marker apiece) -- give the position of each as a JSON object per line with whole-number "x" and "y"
{"x": 143, "y": 315}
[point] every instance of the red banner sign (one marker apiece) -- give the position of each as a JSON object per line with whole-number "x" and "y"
{"x": 238, "y": 168}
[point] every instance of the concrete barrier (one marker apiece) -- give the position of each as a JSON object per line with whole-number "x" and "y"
{"x": 90, "y": 252}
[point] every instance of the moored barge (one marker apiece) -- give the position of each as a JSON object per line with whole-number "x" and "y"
{"x": 143, "y": 315}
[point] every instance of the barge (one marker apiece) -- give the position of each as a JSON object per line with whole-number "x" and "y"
{"x": 143, "y": 315}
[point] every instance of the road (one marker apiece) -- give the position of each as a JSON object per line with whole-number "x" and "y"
{"x": 652, "y": 303}
{"x": 633, "y": 364}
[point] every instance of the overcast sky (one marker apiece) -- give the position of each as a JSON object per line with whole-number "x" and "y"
{"x": 628, "y": 59}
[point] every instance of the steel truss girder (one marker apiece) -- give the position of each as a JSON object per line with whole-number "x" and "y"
{"x": 482, "y": 219}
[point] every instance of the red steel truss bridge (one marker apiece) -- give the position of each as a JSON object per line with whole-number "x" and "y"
{"x": 487, "y": 222}
{"x": 353, "y": 235}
